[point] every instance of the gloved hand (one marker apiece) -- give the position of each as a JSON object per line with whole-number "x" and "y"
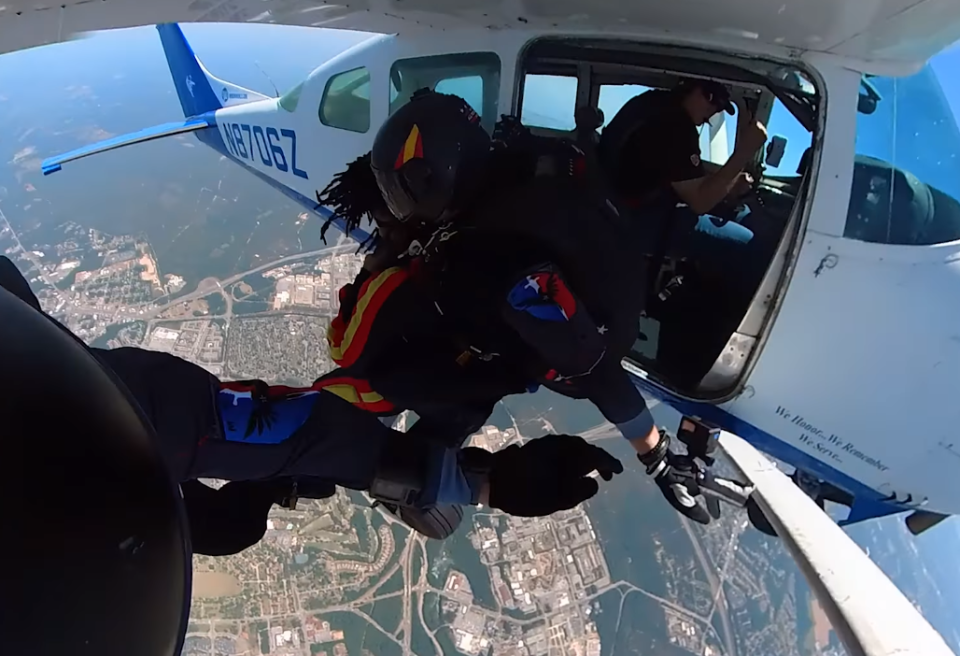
{"x": 676, "y": 476}
{"x": 547, "y": 474}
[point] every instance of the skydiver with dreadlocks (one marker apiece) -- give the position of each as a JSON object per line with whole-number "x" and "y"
{"x": 275, "y": 443}
{"x": 487, "y": 280}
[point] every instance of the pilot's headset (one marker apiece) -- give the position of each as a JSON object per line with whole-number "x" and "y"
{"x": 430, "y": 157}
{"x": 100, "y": 560}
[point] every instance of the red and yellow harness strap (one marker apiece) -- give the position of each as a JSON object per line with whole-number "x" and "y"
{"x": 356, "y": 391}
{"x": 347, "y": 338}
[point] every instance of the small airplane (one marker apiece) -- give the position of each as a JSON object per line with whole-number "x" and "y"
{"x": 844, "y": 358}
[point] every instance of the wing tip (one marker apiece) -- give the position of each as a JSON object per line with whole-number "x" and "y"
{"x": 50, "y": 167}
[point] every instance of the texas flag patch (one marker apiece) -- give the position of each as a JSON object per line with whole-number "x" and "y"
{"x": 544, "y": 295}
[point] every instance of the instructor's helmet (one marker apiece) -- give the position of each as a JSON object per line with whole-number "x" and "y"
{"x": 100, "y": 558}
{"x": 430, "y": 157}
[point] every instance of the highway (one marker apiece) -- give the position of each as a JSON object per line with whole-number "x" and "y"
{"x": 606, "y": 430}
{"x": 206, "y": 287}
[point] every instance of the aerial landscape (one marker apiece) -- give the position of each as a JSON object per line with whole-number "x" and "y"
{"x": 338, "y": 576}
{"x": 170, "y": 247}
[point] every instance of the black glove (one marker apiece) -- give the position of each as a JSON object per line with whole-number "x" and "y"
{"x": 547, "y": 474}
{"x": 676, "y": 476}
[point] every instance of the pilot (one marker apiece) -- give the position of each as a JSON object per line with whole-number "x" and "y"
{"x": 651, "y": 152}
{"x": 278, "y": 443}
{"x": 506, "y": 283}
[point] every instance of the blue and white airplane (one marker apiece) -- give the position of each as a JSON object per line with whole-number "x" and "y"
{"x": 846, "y": 362}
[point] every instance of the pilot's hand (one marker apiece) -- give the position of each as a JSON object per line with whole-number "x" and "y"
{"x": 744, "y": 115}
{"x": 742, "y": 185}
{"x": 676, "y": 478}
{"x": 751, "y": 138}
{"x": 548, "y": 474}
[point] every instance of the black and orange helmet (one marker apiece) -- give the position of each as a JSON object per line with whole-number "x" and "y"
{"x": 430, "y": 157}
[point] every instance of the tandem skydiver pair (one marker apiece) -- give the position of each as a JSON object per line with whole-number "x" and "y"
{"x": 499, "y": 266}
{"x": 487, "y": 279}
{"x": 275, "y": 443}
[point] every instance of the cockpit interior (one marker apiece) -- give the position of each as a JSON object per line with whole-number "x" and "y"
{"x": 706, "y": 271}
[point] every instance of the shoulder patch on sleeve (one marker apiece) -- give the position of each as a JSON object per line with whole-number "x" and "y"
{"x": 544, "y": 295}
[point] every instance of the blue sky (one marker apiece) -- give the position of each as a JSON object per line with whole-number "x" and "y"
{"x": 230, "y": 51}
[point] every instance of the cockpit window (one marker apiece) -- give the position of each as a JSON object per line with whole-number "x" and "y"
{"x": 346, "y": 101}
{"x": 474, "y": 76}
{"x": 906, "y": 178}
{"x": 549, "y": 101}
{"x": 614, "y": 96}
{"x": 718, "y": 136}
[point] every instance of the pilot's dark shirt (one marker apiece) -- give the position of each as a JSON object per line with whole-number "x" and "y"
{"x": 664, "y": 149}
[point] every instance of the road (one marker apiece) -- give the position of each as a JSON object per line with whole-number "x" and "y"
{"x": 716, "y": 585}
{"x": 607, "y": 430}
{"x": 405, "y": 624}
{"x": 138, "y": 313}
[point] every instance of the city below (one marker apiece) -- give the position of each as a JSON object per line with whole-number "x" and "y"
{"x": 340, "y": 576}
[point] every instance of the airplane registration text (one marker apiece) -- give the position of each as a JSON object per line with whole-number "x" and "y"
{"x": 268, "y": 146}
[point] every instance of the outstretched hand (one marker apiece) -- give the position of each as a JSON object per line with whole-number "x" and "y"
{"x": 548, "y": 474}
{"x": 678, "y": 484}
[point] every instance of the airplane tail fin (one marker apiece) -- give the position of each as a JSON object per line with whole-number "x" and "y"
{"x": 198, "y": 90}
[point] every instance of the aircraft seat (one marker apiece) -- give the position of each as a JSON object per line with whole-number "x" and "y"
{"x": 588, "y": 121}
{"x": 888, "y": 205}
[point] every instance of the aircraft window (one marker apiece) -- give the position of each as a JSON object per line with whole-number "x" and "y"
{"x": 906, "y": 179}
{"x": 470, "y": 88}
{"x": 291, "y": 98}
{"x": 346, "y": 101}
{"x": 716, "y": 143}
{"x": 717, "y": 138}
{"x": 474, "y": 76}
{"x": 549, "y": 101}
{"x": 614, "y": 96}
{"x": 786, "y": 125}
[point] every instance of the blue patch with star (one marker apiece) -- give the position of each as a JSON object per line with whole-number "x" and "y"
{"x": 247, "y": 419}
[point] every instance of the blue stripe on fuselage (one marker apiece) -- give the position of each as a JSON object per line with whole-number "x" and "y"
{"x": 868, "y": 502}
{"x": 214, "y": 139}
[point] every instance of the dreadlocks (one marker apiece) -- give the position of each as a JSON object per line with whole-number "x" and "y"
{"x": 352, "y": 195}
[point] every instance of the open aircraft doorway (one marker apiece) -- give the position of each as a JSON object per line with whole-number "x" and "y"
{"x": 714, "y": 277}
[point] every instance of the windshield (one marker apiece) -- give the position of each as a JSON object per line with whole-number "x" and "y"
{"x": 291, "y": 98}
{"x": 172, "y": 246}
{"x": 913, "y": 123}
{"x": 907, "y": 173}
